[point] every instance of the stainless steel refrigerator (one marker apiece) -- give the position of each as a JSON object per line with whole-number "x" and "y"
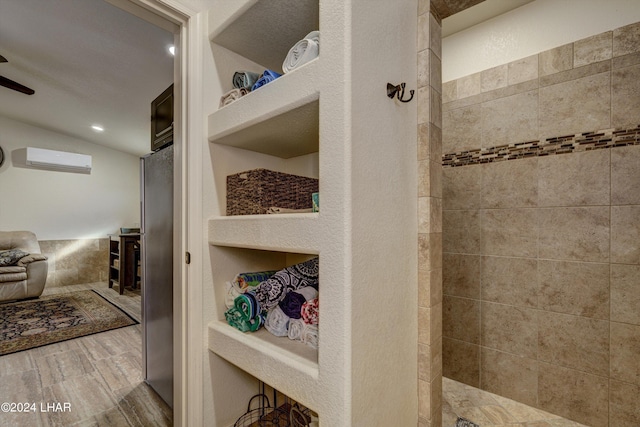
{"x": 157, "y": 271}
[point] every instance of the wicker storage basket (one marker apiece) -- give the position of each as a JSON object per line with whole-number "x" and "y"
{"x": 255, "y": 191}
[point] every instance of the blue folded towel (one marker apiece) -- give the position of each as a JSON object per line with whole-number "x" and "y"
{"x": 266, "y": 77}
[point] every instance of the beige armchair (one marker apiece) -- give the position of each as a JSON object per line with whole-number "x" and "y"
{"x": 27, "y": 276}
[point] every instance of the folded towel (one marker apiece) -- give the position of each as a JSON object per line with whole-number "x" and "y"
{"x": 296, "y": 329}
{"x": 232, "y": 95}
{"x": 293, "y": 301}
{"x": 310, "y": 312}
{"x": 244, "y": 79}
{"x": 302, "y": 52}
{"x": 300, "y": 331}
{"x": 248, "y": 305}
{"x": 270, "y": 292}
{"x": 277, "y": 322}
{"x": 267, "y": 76}
{"x": 232, "y": 294}
{"x": 243, "y": 281}
{"x": 237, "y": 319}
{"x": 310, "y": 335}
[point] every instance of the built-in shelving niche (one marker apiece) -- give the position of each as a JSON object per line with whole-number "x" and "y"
{"x": 279, "y": 361}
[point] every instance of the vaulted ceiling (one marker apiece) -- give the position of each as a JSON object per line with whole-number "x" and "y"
{"x": 89, "y": 63}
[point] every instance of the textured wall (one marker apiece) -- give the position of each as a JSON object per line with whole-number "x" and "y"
{"x": 541, "y": 252}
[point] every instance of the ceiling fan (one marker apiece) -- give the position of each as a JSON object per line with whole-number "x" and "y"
{"x": 8, "y": 83}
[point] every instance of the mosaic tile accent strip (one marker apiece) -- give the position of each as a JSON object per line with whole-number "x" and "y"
{"x": 587, "y": 141}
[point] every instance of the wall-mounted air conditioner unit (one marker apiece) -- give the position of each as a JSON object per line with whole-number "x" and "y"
{"x": 58, "y": 160}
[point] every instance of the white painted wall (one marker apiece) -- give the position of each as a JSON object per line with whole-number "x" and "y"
{"x": 535, "y": 27}
{"x": 63, "y": 205}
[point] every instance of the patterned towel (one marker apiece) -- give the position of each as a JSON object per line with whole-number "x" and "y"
{"x": 310, "y": 312}
{"x": 300, "y": 331}
{"x": 273, "y": 290}
{"x": 277, "y": 322}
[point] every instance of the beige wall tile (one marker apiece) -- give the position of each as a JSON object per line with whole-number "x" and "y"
{"x": 461, "y": 231}
{"x": 625, "y": 96}
{"x": 510, "y": 376}
{"x": 429, "y": 215}
{"x": 511, "y": 184}
{"x": 625, "y": 61}
{"x": 625, "y": 234}
{"x": 429, "y": 251}
{"x": 573, "y": 394}
{"x": 625, "y": 294}
{"x": 435, "y": 36}
{"x": 424, "y": 104}
{"x": 435, "y": 72}
{"x": 577, "y": 288}
{"x": 625, "y": 175}
{"x": 493, "y": 78}
{"x": 423, "y": 32}
{"x": 510, "y": 281}
{"x": 460, "y": 129}
{"x": 624, "y": 409}
{"x": 593, "y": 49}
{"x": 461, "y": 275}
{"x": 575, "y": 73}
{"x": 511, "y": 119}
{"x": 575, "y": 179}
{"x": 574, "y": 234}
{"x": 510, "y": 329}
{"x": 435, "y": 108}
{"x": 575, "y": 106}
{"x": 461, "y": 361}
{"x": 469, "y": 85}
{"x": 430, "y": 142}
{"x": 575, "y": 342}
{"x": 461, "y": 187}
{"x": 625, "y": 348}
{"x": 626, "y": 40}
{"x": 461, "y": 319}
{"x": 423, "y": 68}
{"x": 523, "y": 70}
{"x": 556, "y": 60}
{"x": 429, "y": 287}
{"x": 449, "y": 91}
{"x": 509, "y": 232}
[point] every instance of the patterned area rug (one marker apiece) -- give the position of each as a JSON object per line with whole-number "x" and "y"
{"x": 54, "y": 318}
{"x": 463, "y": 422}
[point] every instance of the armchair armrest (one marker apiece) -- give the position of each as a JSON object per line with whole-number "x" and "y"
{"x": 24, "y": 261}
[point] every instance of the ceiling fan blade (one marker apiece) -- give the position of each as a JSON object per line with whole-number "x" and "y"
{"x": 3, "y": 59}
{"x": 15, "y": 86}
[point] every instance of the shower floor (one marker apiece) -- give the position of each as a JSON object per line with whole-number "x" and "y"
{"x": 488, "y": 409}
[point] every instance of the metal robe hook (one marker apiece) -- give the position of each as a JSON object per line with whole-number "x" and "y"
{"x": 393, "y": 90}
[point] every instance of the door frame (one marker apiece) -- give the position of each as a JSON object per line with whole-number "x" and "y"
{"x": 188, "y": 27}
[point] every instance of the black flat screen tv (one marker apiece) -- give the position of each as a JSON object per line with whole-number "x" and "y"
{"x": 162, "y": 120}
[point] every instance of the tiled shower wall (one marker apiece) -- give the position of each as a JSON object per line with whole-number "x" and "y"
{"x": 429, "y": 153}
{"x": 541, "y": 253}
{"x": 73, "y": 262}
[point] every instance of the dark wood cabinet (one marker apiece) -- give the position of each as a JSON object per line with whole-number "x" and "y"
{"x": 124, "y": 261}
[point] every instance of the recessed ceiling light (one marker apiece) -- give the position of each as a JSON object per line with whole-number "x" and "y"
{"x": 172, "y": 50}
{"x": 97, "y": 128}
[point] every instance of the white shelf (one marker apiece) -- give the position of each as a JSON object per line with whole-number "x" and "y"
{"x": 295, "y": 233}
{"x": 267, "y": 357}
{"x": 280, "y": 118}
{"x": 264, "y": 31}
